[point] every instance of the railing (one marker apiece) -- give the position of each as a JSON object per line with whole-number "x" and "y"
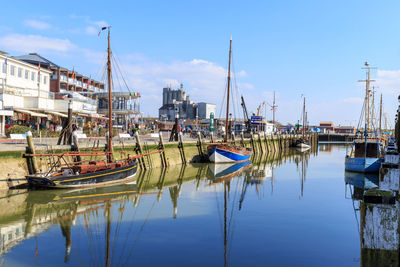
{"x": 79, "y": 83}
{"x": 63, "y": 78}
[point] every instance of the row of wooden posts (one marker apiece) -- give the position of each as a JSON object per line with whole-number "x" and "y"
{"x": 260, "y": 143}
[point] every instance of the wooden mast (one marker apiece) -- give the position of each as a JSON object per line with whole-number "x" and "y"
{"x": 228, "y": 95}
{"x": 380, "y": 116}
{"x": 109, "y": 99}
{"x": 304, "y": 112}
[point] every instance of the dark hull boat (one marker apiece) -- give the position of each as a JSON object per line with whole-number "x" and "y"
{"x": 77, "y": 173}
{"x": 91, "y": 175}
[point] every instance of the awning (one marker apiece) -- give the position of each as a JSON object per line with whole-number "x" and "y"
{"x": 5, "y": 112}
{"x": 33, "y": 114}
{"x": 98, "y": 116}
{"x": 57, "y": 113}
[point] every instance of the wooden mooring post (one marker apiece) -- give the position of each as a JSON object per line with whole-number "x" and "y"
{"x": 181, "y": 149}
{"x": 200, "y": 146}
{"x": 30, "y": 149}
{"x": 162, "y": 154}
{"x": 139, "y": 151}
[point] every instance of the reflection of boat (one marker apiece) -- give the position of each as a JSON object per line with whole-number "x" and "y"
{"x": 225, "y": 170}
{"x": 362, "y": 180}
{"x": 80, "y": 173}
{"x": 223, "y": 152}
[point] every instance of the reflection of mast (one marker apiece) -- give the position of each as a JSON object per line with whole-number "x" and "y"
{"x": 225, "y": 227}
{"x": 107, "y": 209}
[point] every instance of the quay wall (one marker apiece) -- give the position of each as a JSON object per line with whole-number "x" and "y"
{"x": 13, "y": 167}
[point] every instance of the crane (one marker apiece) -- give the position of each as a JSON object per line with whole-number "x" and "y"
{"x": 260, "y": 108}
{"x": 246, "y": 116}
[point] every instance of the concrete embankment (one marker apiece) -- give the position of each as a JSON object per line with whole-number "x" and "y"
{"x": 13, "y": 166}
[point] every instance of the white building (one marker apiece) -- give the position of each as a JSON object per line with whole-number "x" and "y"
{"x": 25, "y": 96}
{"x": 205, "y": 109}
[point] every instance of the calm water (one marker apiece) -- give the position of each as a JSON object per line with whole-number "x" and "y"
{"x": 295, "y": 211}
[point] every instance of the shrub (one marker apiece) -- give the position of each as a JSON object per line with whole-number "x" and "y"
{"x": 17, "y": 130}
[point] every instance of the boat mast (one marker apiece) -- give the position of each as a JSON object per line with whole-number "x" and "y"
{"x": 367, "y": 96}
{"x": 228, "y": 95}
{"x": 304, "y": 112}
{"x": 109, "y": 156}
{"x": 380, "y": 116}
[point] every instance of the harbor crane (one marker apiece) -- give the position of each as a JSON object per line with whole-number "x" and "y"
{"x": 246, "y": 116}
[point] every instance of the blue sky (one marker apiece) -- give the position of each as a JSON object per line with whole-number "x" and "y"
{"x": 314, "y": 48}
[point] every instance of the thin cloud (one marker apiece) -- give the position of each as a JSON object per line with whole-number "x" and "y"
{"x": 37, "y": 24}
{"x": 35, "y": 43}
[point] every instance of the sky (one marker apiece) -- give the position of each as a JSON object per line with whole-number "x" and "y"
{"x": 305, "y": 48}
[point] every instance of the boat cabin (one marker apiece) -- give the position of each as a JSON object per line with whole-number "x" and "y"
{"x": 372, "y": 150}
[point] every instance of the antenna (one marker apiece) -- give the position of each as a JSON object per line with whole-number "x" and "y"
{"x": 273, "y": 108}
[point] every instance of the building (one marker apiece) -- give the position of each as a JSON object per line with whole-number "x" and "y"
{"x": 69, "y": 86}
{"x": 205, "y": 109}
{"x": 25, "y": 93}
{"x": 177, "y": 104}
{"x": 125, "y": 107}
{"x": 62, "y": 78}
{"x": 326, "y": 126}
{"x": 345, "y": 129}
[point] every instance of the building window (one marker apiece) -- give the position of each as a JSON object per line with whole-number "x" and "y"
{"x": 26, "y": 74}
{"x": 12, "y": 70}
{"x": 4, "y": 68}
{"x": 45, "y": 79}
{"x": 19, "y": 72}
{"x": 33, "y": 76}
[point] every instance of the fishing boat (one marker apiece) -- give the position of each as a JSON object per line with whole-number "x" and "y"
{"x": 78, "y": 173}
{"x": 302, "y": 144}
{"x": 366, "y": 154}
{"x": 224, "y": 152}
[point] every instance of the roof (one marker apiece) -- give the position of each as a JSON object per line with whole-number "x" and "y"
{"x": 35, "y": 58}
{"x": 167, "y": 107}
{"x": 326, "y": 122}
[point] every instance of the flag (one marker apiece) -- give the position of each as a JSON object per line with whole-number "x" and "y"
{"x": 39, "y": 69}
{"x": 102, "y": 29}
{"x": 5, "y": 61}
{"x": 88, "y": 82}
{"x": 73, "y": 73}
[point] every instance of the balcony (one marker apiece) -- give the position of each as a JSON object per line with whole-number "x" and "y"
{"x": 63, "y": 78}
{"x": 78, "y": 83}
{"x": 85, "y": 86}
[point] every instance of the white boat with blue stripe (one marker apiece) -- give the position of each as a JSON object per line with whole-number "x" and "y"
{"x": 222, "y": 153}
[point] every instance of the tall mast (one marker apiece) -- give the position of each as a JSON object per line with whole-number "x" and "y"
{"x": 380, "y": 116}
{"x": 228, "y": 95}
{"x": 367, "y": 95}
{"x": 304, "y": 112}
{"x": 109, "y": 98}
{"x": 273, "y": 109}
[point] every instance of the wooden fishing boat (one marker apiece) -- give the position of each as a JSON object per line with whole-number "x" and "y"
{"x": 366, "y": 154}
{"x": 303, "y": 143}
{"x": 89, "y": 173}
{"x": 224, "y": 152}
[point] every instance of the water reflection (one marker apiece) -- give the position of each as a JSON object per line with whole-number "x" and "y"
{"x": 106, "y": 220}
{"x": 377, "y": 213}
